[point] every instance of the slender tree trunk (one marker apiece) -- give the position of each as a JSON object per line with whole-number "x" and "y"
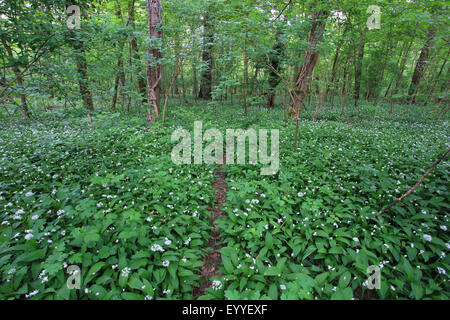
{"x": 358, "y": 69}
{"x": 275, "y": 59}
{"x": 16, "y": 70}
{"x": 436, "y": 80}
{"x": 318, "y": 95}
{"x": 444, "y": 110}
{"x": 136, "y": 56}
{"x": 335, "y": 64}
{"x": 116, "y": 82}
{"x": 121, "y": 75}
{"x": 311, "y": 56}
{"x": 344, "y": 89}
{"x": 207, "y": 57}
{"x": 183, "y": 86}
{"x": 83, "y": 81}
{"x": 195, "y": 84}
{"x": 445, "y": 85}
{"x": 245, "y": 67}
{"x": 303, "y": 78}
{"x": 194, "y": 65}
{"x": 376, "y": 92}
{"x": 154, "y": 69}
{"x": 255, "y": 80}
{"x": 419, "y": 70}
{"x": 402, "y": 68}
{"x": 401, "y": 54}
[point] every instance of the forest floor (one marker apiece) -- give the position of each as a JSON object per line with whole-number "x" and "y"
{"x": 213, "y": 258}
{"x": 106, "y": 197}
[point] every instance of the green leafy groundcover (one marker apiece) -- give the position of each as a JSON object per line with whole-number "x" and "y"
{"x": 107, "y": 198}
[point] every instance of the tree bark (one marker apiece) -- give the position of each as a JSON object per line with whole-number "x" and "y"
{"x": 120, "y": 77}
{"x": 334, "y": 67}
{"x": 358, "y": 69}
{"x": 207, "y": 58}
{"x": 274, "y": 79}
{"x": 245, "y": 68}
{"x": 402, "y": 68}
{"x": 311, "y": 56}
{"x": 136, "y": 56}
{"x": 194, "y": 64}
{"x": 436, "y": 80}
{"x": 23, "y": 97}
{"x": 154, "y": 69}
{"x": 419, "y": 70}
{"x": 83, "y": 80}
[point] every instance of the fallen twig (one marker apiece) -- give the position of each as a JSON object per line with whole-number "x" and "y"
{"x": 417, "y": 184}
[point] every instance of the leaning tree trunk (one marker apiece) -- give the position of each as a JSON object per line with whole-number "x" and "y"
{"x": 303, "y": 77}
{"x": 419, "y": 70}
{"x": 23, "y": 97}
{"x": 154, "y": 70}
{"x": 403, "y": 52}
{"x": 436, "y": 79}
{"x": 207, "y": 57}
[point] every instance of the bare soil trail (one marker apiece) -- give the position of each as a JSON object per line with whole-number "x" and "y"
{"x": 213, "y": 259}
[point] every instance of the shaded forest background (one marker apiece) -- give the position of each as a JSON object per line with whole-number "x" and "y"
{"x": 131, "y": 55}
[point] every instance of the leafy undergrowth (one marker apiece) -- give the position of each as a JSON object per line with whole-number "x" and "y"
{"x": 106, "y": 197}
{"x": 310, "y": 232}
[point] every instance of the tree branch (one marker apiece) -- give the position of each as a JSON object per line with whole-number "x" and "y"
{"x": 417, "y": 184}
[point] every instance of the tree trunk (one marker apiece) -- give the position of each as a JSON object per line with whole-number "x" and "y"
{"x": 319, "y": 97}
{"x": 83, "y": 80}
{"x": 116, "y": 83}
{"x": 344, "y": 89}
{"x": 402, "y": 68}
{"x": 419, "y": 70}
{"x": 274, "y": 79}
{"x": 245, "y": 68}
{"x": 207, "y": 57}
{"x": 358, "y": 69}
{"x": 194, "y": 65}
{"x": 436, "y": 80}
{"x": 401, "y": 55}
{"x": 311, "y": 56}
{"x": 136, "y": 56}
{"x": 154, "y": 69}
{"x": 183, "y": 86}
{"x": 255, "y": 80}
{"x": 23, "y": 97}
{"x": 121, "y": 74}
{"x": 334, "y": 67}
{"x": 376, "y": 92}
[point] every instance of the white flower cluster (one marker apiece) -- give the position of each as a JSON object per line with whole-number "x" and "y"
{"x": 216, "y": 285}
{"x": 441, "y": 270}
{"x": 157, "y": 247}
{"x": 32, "y": 293}
{"x": 125, "y": 272}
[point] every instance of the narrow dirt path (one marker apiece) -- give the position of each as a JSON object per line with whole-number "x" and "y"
{"x": 213, "y": 259}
